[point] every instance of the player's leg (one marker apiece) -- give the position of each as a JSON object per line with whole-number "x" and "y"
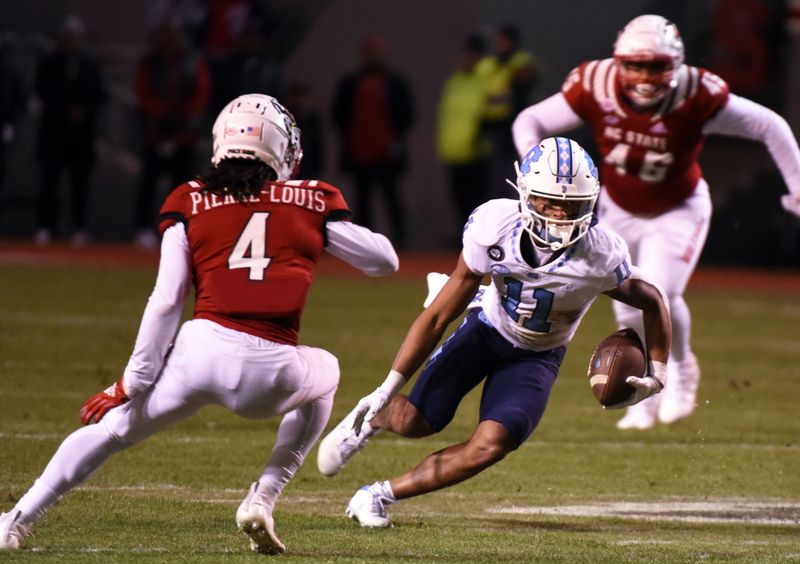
{"x": 452, "y": 371}
{"x": 514, "y": 399}
{"x": 85, "y": 450}
{"x": 489, "y": 443}
{"x": 671, "y": 254}
{"x": 318, "y": 373}
{"x": 634, "y": 231}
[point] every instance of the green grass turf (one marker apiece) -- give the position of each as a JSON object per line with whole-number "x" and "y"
{"x": 66, "y": 333}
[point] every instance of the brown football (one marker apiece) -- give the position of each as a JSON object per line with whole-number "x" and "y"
{"x": 618, "y": 356}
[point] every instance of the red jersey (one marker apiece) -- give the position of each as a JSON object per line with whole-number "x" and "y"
{"x": 649, "y": 157}
{"x": 253, "y": 262}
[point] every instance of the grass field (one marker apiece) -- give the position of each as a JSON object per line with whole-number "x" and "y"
{"x": 723, "y": 486}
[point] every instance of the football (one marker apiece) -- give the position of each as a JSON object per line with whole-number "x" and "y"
{"x": 618, "y": 356}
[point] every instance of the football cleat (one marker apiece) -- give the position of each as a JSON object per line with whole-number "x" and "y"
{"x": 341, "y": 444}
{"x": 680, "y": 393}
{"x": 254, "y": 518}
{"x": 369, "y": 508}
{"x": 12, "y": 530}
{"x": 640, "y": 416}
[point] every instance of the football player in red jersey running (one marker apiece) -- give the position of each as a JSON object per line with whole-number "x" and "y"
{"x": 248, "y": 237}
{"x": 649, "y": 114}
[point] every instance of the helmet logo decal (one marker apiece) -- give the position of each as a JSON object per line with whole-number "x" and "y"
{"x": 532, "y": 157}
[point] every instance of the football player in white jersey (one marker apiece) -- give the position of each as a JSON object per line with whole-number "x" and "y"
{"x": 548, "y": 260}
{"x": 649, "y": 114}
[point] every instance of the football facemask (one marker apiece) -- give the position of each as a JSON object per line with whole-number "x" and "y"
{"x": 649, "y": 52}
{"x": 256, "y": 126}
{"x": 558, "y": 187}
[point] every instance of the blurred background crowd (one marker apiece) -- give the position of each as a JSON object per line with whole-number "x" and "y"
{"x": 406, "y": 107}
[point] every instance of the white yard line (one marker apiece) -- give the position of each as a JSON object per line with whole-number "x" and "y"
{"x": 732, "y": 511}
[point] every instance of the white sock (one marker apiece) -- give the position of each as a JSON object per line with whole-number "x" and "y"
{"x": 384, "y": 489}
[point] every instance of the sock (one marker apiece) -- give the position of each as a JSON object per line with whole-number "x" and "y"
{"x": 384, "y": 489}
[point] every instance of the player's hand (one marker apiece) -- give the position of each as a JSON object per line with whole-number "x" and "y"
{"x": 791, "y": 203}
{"x": 645, "y": 387}
{"x": 369, "y": 406}
{"x": 93, "y": 410}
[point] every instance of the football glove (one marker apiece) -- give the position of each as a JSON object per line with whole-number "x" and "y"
{"x": 369, "y": 406}
{"x": 791, "y": 203}
{"x": 98, "y": 405}
{"x": 645, "y": 387}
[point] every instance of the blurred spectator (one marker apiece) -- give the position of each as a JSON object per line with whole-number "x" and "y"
{"x": 300, "y": 102}
{"x": 69, "y": 85}
{"x": 460, "y": 142}
{"x": 373, "y": 111}
{"x": 12, "y": 106}
{"x": 248, "y": 68}
{"x": 512, "y": 75}
{"x": 172, "y": 90}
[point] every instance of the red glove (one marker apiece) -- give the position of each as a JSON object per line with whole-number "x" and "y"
{"x": 93, "y": 410}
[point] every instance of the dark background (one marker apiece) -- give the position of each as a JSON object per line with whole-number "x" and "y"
{"x": 753, "y": 44}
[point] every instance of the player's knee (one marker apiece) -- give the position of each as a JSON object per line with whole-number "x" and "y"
{"x": 406, "y": 420}
{"x": 482, "y": 453}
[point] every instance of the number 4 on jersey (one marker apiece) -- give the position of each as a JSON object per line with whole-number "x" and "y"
{"x": 254, "y": 240}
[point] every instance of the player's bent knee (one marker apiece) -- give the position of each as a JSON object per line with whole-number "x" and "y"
{"x": 406, "y": 420}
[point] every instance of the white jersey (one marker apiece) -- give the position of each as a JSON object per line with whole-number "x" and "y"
{"x": 539, "y": 308}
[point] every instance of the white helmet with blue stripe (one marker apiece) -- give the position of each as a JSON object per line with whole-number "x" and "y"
{"x": 558, "y": 187}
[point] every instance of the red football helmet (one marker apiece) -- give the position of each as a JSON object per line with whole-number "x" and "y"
{"x": 649, "y": 52}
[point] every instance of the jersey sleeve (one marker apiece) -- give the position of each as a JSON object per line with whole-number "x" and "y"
{"x": 338, "y": 209}
{"x": 173, "y": 210}
{"x": 575, "y": 92}
{"x": 481, "y": 231}
{"x": 617, "y": 261}
{"x": 712, "y": 94}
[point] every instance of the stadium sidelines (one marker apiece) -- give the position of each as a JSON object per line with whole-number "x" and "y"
{"x": 412, "y": 265}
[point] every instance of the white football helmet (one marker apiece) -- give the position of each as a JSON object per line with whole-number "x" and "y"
{"x": 648, "y": 39}
{"x": 558, "y": 187}
{"x": 257, "y": 126}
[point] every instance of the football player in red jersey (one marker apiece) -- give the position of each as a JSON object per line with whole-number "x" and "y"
{"x": 649, "y": 114}
{"x": 248, "y": 237}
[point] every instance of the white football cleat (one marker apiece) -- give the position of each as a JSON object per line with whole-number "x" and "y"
{"x": 12, "y": 530}
{"x": 680, "y": 393}
{"x": 254, "y": 518}
{"x": 436, "y": 282}
{"x": 341, "y": 444}
{"x": 640, "y": 416}
{"x": 369, "y": 508}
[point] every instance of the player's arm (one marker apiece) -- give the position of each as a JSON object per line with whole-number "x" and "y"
{"x": 422, "y": 337}
{"x": 544, "y": 119}
{"x": 370, "y": 252}
{"x": 429, "y": 326}
{"x": 637, "y": 292}
{"x": 744, "y": 118}
{"x": 156, "y": 330}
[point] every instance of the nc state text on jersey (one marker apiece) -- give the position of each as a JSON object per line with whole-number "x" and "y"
{"x": 635, "y": 138}
{"x": 303, "y": 197}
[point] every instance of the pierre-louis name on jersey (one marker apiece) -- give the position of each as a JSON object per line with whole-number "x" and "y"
{"x": 649, "y": 158}
{"x": 539, "y": 308}
{"x": 254, "y": 260}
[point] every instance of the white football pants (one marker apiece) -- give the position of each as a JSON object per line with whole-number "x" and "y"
{"x": 667, "y": 247}
{"x": 209, "y": 364}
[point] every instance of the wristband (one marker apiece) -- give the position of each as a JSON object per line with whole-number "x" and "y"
{"x": 394, "y": 381}
{"x": 658, "y": 371}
